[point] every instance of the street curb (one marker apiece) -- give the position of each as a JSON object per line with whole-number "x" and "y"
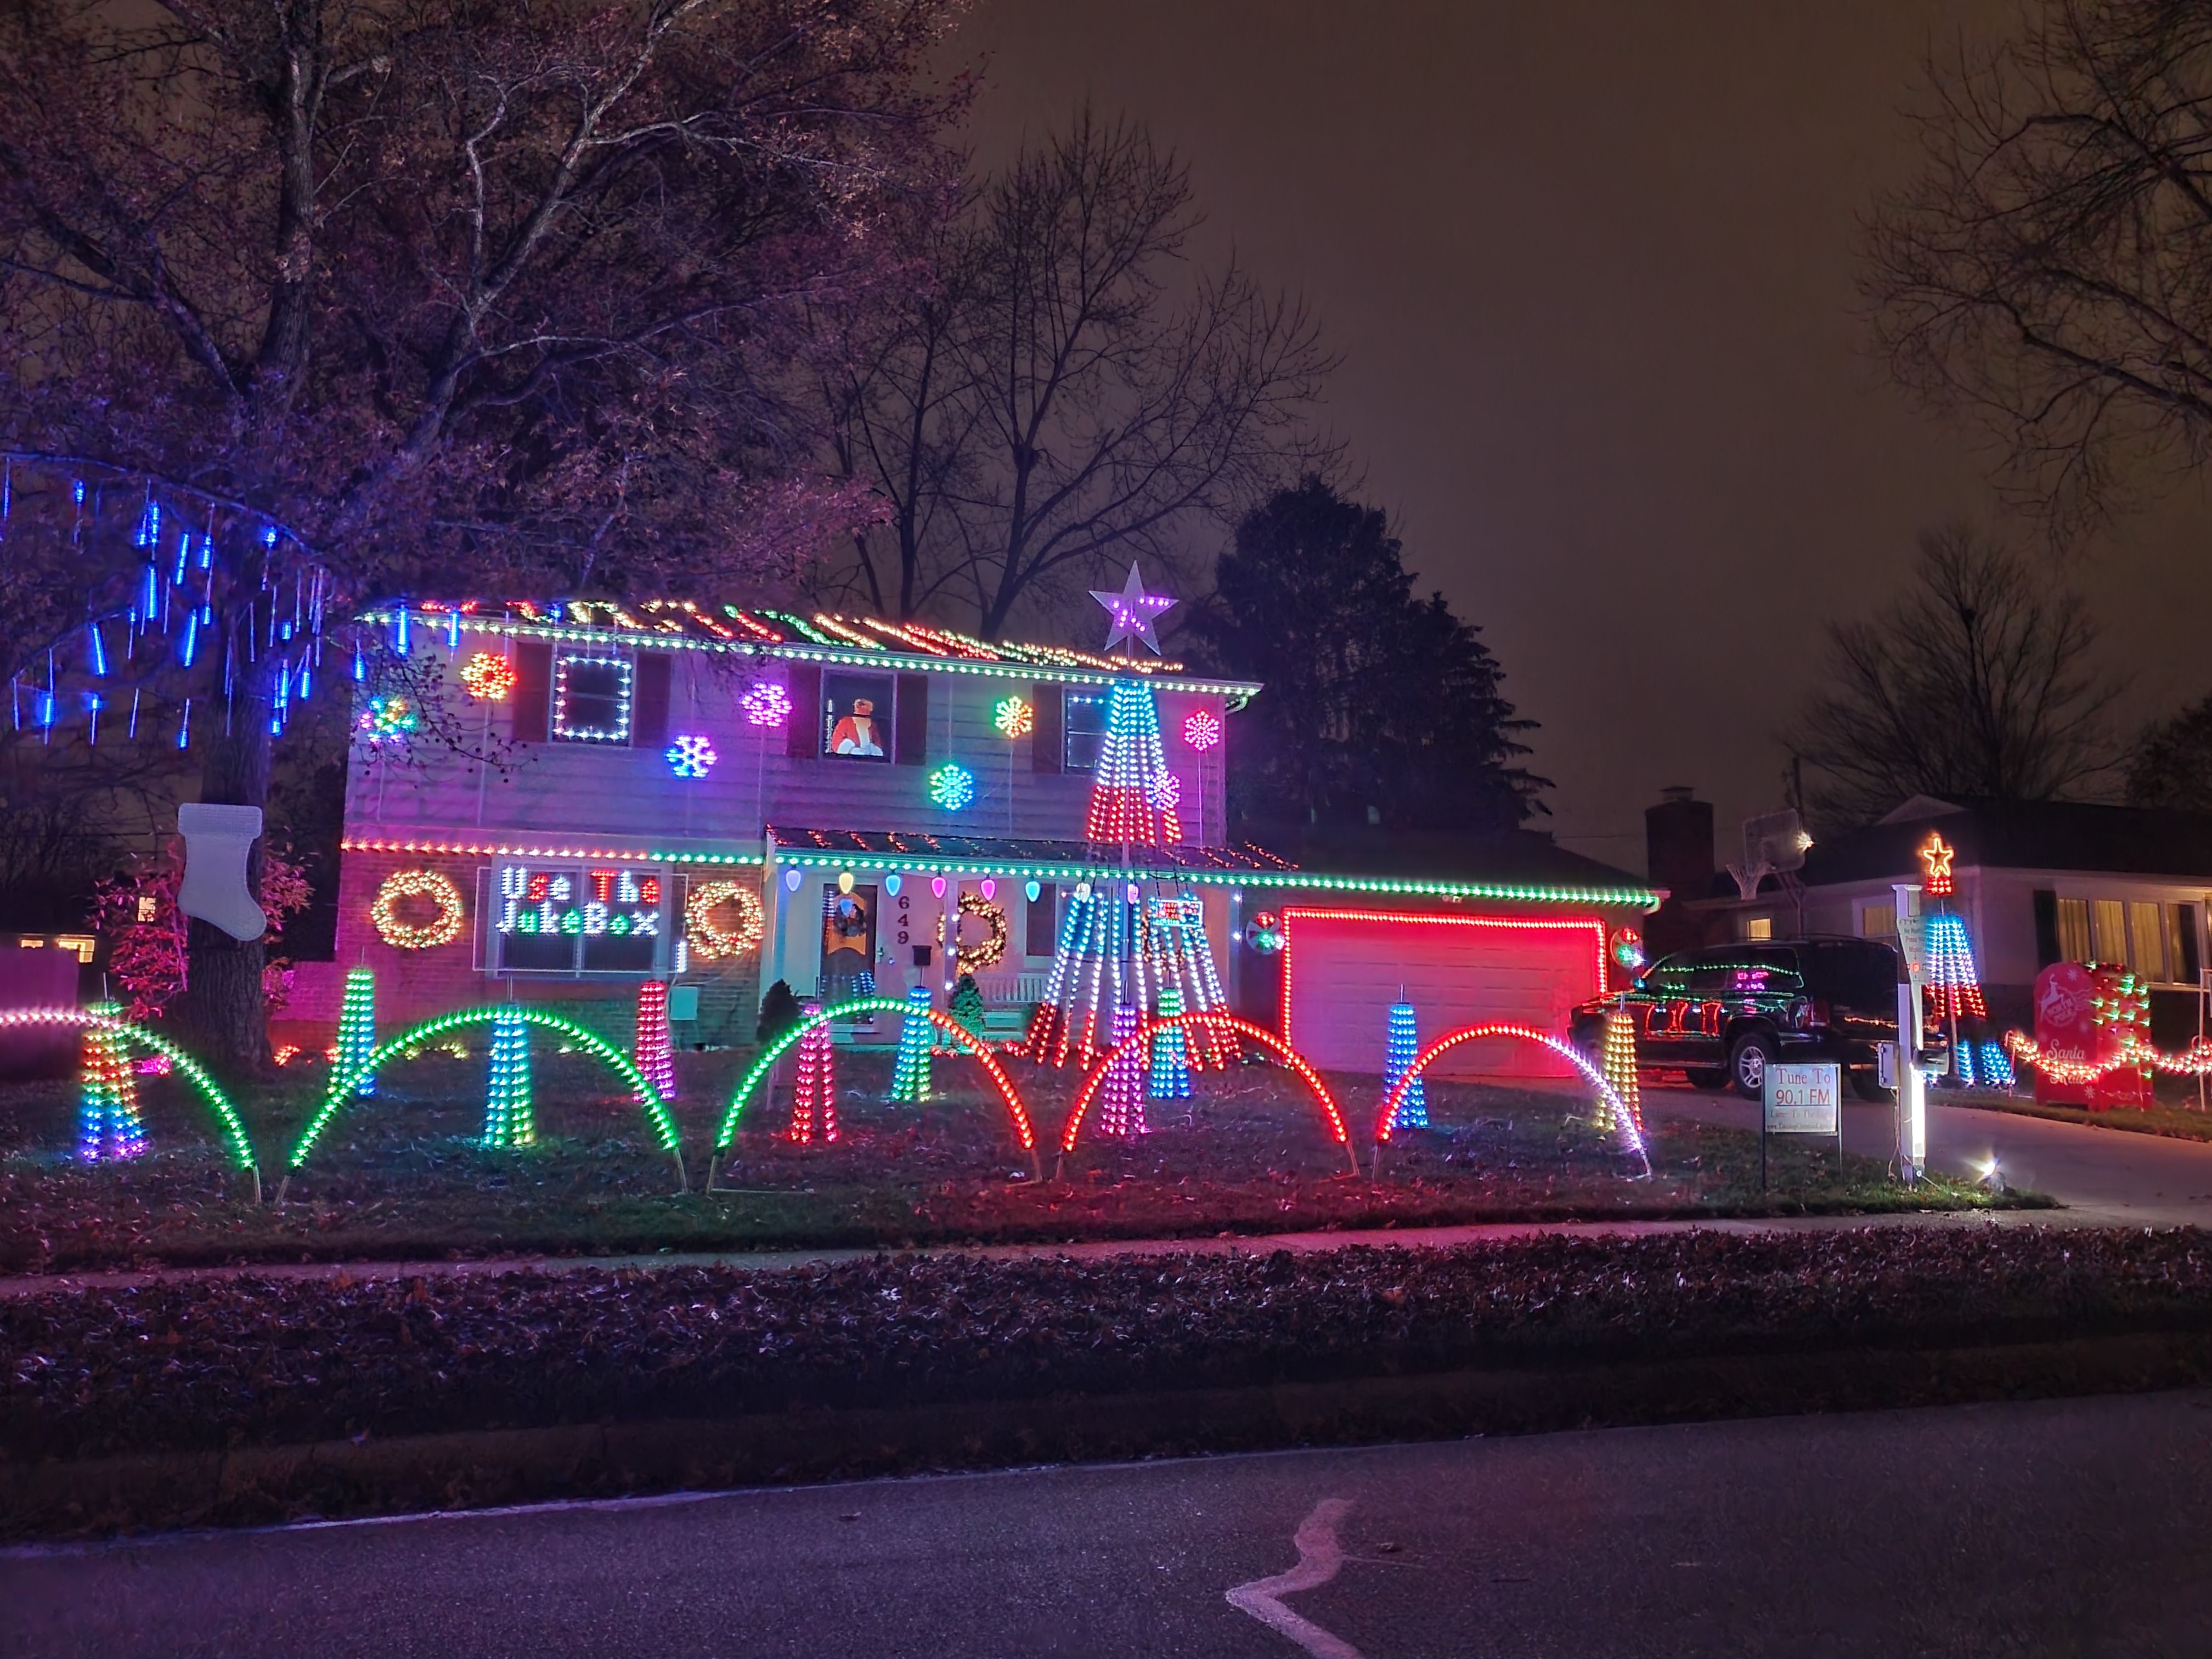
{"x": 259, "y": 1484}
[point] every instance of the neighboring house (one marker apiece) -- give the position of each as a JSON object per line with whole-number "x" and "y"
{"x": 2038, "y": 882}
{"x": 847, "y": 786}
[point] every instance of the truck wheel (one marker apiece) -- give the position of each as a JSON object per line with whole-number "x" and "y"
{"x": 1747, "y": 1063}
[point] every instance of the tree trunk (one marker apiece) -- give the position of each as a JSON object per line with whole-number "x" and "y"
{"x": 221, "y": 1009}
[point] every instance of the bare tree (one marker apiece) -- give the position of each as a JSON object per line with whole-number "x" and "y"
{"x": 2050, "y": 268}
{"x": 428, "y": 296}
{"x": 1068, "y": 393}
{"x": 1976, "y": 684}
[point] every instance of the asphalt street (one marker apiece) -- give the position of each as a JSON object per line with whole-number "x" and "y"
{"x": 2073, "y": 1528}
{"x": 2104, "y": 1177}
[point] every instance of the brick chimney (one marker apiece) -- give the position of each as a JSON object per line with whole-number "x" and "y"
{"x": 1678, "y": 842}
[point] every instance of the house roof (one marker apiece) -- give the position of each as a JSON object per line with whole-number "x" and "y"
{"x": 2021, "y": 836}
{"x": 820, "y": 636}
{"x": 1241, "y": 866}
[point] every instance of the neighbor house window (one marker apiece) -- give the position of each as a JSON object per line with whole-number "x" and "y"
{"x": 2108, "y": 930}
{"x": 1083, "y": 734}
{"x": 1878, "y": 921}
{"x": 2074, "y": 931}
{"x": 2149, "y": 958}
{"x": 1758, "y": 928}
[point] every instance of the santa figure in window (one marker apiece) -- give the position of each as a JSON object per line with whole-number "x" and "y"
{"x": 856, "y": 734}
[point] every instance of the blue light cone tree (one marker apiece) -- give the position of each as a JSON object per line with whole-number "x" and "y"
{"x": 1402, "y": 1046}
{"x": 910, "y": 1071}
{"x": 510, "y": 1118}
{"x": 357, "y": 1026}
{"x": 1169, "y": 1079}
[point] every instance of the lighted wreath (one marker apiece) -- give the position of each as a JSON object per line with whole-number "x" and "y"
{"x": 710, "y": 940}
{"x": 443, "y": 927}
{"x": 968, "y": 959}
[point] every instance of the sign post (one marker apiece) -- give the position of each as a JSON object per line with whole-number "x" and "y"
{"x": 1911, "y": 1080}
{"x": 1801, "y": 1100}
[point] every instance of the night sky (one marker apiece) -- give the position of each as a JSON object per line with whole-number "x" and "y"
{"x": 1589, "y": 266}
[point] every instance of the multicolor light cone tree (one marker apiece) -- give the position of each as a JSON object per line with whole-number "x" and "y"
{"x": 814, "y": 1095}
{"x": 656, "y": 1050}
{"x": 1121, "y": 1107}
{"x": 108, "y": 1126}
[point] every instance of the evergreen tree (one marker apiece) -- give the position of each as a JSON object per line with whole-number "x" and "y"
{"x": 1381, "y": 707}
{"x": 967, "y": 1007}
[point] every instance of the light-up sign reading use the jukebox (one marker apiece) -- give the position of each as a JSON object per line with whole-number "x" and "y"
{"x": 576, "y": 920}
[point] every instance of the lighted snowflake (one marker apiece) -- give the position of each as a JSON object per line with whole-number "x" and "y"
{"x": 1201, "y": 731}
{"x": 766, "y": 703}
{"x": 1013, "y": 717}
{"x": 488, "y": 676}
{"x": 691, "y": 757}
{"x": 1165, "y": 790}
{"x": 389, "y": 719}
{"x": 952, "y": 787}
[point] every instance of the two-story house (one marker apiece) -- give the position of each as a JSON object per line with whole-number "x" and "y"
{"x": 580, "y": 797}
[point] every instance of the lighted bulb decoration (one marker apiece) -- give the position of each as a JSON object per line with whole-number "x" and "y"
{"x": 766, "y": 704}
{"x": 952, "y": 787}
{"x": 691, "y": 755}
{"x": 711, "y": 939}
{"x": 389, "y": 720}
{"x": 1013, "y": 717}
{"x": 1201, "y": 731}
{"x": 488, "y": 676}
{"x": 445, "y": 923}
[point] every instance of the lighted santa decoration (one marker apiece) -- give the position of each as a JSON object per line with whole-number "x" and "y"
{"x": 856, "y": 734}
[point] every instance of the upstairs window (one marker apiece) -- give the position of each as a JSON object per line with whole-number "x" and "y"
{"x": 1084, "y": 732}
{"x": 856, "y": 716}
{"x": 591, "y": 699}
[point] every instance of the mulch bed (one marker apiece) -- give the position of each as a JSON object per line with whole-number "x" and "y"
{"x": 180, "y": 1366}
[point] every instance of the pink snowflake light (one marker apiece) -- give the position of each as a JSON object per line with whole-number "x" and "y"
{"x": 1201, "y": 731}
{"x": 766, "y": 703}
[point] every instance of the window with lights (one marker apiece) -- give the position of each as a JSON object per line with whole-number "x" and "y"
{"x": 578, "y": 918}
{"x": 591, "y": 699}
{"x": 1084, "y": 730}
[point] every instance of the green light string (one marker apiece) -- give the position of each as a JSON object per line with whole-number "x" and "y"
{"x": 343, "y": 1083}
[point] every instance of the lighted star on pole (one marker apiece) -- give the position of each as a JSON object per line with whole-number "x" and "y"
{"x": 1936, "y": 856}
{"x": 1132, "y": 611}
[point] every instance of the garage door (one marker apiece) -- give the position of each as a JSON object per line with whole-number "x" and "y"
{"x": 1343, "y": 968}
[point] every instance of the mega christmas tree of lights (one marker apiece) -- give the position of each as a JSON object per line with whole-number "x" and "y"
{"x": 910, "y": 1071}
{"x": 108, "y": 1126}
{"x": 509, "y": 1116}
{"x": 814, "y": 1095}
{"x": 1953, "y": 988}
{"x": 655, "y": 1052}
{"x": 1121, "y": 1107}
{"x": 1119, "y": 947}
{"x": 1131, "y": 804}
{"x": 357, "y": 1026}
{"x": 1169, "y": 1077}
{"x": 1402, "y": 1045}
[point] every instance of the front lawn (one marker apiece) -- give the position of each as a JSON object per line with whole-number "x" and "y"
{"x": 399, "y": 1176}
{"x": 2174, "y": 1119}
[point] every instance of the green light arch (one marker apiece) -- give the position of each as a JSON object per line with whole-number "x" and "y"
{"x": 343, "y": 1084}
{"x": 960, "y": 1034}
{"x": 233, "y": 1127}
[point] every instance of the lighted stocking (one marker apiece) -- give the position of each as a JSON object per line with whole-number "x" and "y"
{"x": 216, "y": 842}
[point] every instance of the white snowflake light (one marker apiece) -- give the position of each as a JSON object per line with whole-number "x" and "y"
{"x": 691, "y": 757}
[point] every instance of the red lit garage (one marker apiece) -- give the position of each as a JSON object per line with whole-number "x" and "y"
{"x": 1341, "y": 970}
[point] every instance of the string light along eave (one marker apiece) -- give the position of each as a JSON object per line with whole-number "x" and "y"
{"x": 845, "y": 656}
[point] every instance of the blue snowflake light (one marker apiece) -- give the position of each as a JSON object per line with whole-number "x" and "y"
{"x": 952, "y": 786}
{"x": 691, "y": 755}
